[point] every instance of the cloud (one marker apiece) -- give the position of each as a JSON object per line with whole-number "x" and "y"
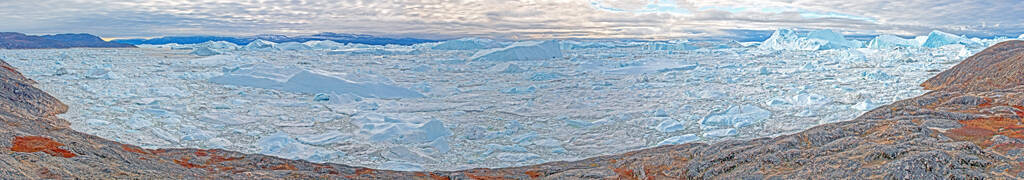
{"x": 525, "y": 19}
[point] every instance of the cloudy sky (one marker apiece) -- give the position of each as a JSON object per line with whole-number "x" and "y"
{"x": 510, "y": 19}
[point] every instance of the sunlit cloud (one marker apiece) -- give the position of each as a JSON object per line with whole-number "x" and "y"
{"x": 526, "y": 19}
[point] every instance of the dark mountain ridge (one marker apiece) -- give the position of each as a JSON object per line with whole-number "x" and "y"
{"x": 13, "y": 40}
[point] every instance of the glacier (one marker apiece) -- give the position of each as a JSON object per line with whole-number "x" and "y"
{"x": 417, "y": 107}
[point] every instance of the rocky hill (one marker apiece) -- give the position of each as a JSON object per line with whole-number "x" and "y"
{"x": 12, "y": 40}
{"x": 969, "y": 127}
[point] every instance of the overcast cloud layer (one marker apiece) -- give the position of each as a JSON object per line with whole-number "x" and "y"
{"x": 525, "y": 19}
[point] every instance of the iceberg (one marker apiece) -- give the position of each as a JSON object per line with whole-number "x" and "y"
{"x": 260, "y": 45}
{"x": 520, "y": 51}
{"x": 737, "y": 116}
{"x": 218, "y": 45}
{"x": 294, "y": 79}
{"x": 324, "y": 45}
{"x": 890, "y": 41}
{"x": 204, "y": 51}
{"x": 834, "y": 39}
{"x": 293, "y": 46}
{"x": 939, "y": 39}
{"x": 787, "y": 39}
{"x": 467, "y": 44}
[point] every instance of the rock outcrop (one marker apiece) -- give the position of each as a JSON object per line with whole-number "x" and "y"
{"x": 998, "y": 67}
{"x": 968, "y": 128}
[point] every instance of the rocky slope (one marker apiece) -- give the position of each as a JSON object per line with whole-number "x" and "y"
{"x": 12, "y": 40}
{"x": 970, "y": 127}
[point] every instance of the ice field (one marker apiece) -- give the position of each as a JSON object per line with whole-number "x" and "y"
{"x": 473, "y": 103}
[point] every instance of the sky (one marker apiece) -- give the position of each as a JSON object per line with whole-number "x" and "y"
{"x": 511, "y": 19}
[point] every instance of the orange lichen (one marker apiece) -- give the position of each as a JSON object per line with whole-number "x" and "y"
{"x": 981, "y": 130}
{"x": 133, "y": 149}
{"x": 184, "y": 163}
{"x": 534, "y": 174}
{"x": 362, "y": 171}
{"x": 30, "y": 144}
{"x": 284, "y": 167}
{"x": 624, "y": 173}
{"x": 438, "y": 177}
{"x": 988, "y": 103}
{"x": 200, "y": 152}
{"x": 482, "y": 177}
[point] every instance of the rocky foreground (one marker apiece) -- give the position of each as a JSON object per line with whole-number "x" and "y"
{"x": 969, "y": 127}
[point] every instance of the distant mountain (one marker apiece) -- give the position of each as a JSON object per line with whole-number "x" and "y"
{"x": 336, "y": 37}
{"x": 13, "y": 40}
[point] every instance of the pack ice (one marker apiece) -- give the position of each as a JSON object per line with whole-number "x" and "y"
{"x": 472, "y": 103}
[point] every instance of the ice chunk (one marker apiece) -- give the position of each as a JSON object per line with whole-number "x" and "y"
{"x": 331, "y": 137}
{"x": 519, "y": 51}
{"x": 890, "y": 41}
{"x": 669, "y": 125}
{"x": 720, "y": 133}
{"x": 737, "y": 116}
{"x": 809, "y": 99}
{"x": 402, "y": 153}
{"x": 97, "y": 73}
{"x": 281, "y": 145}
{"x": 939, "y": 39}
{"x": 260, "y": 45}
{"x": 385, "y": 129}
{"x": 292, "y": 46}
{"x": 204, "y": 51}
{"x": 877, "y": 75}
{"x": 865, "y": 105}
{"x": 679, "y": 140}
{"x": 138, "y": 122}
{"x": 294, "y": 79}
{"x": 467, "y": 44}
